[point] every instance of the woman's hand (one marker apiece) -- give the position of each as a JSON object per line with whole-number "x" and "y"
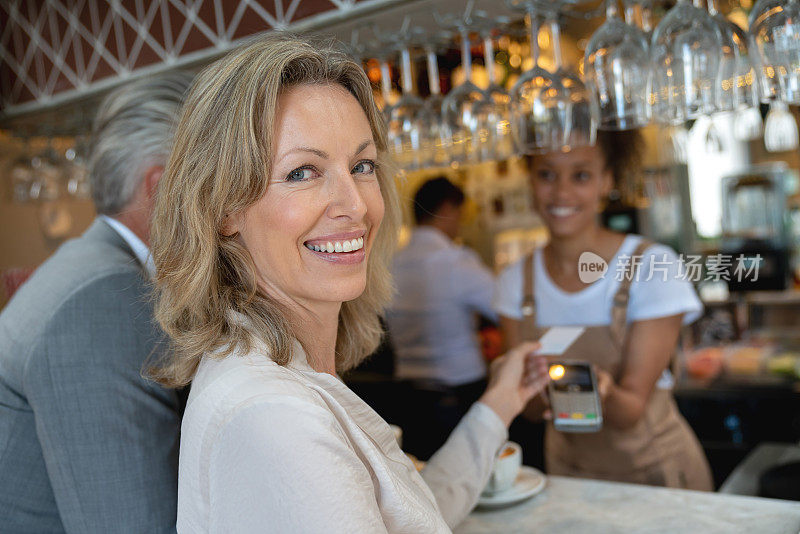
{"x": 514, "y": 379}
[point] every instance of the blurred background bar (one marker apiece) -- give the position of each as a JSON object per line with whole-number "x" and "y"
{"x": 468, "y": 88}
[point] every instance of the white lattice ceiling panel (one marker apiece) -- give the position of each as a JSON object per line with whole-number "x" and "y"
{"x": 53, "y": 51}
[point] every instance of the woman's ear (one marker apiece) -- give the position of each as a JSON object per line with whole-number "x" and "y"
{"x": 230, "y": 225}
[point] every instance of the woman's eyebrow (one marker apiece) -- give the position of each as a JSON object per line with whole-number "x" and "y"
{"x": 318, "y": 152}
{"x": 363, "y": 146}
{"x": 573, "y": 164}
{"x": 322, "y": 153}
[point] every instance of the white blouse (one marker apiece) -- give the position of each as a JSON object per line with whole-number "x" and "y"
{"x": 269, "y": 448}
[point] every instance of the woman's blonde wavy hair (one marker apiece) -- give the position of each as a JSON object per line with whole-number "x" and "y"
{"x": 220, "y": 164}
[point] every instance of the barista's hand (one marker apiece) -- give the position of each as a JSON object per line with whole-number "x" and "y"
{"x": 605, "y": 383}
{"x": 514, "y": 379}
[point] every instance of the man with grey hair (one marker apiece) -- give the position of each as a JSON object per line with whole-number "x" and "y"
{"x": 86, "y": 443}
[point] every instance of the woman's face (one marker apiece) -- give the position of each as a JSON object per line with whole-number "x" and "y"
{"x": 311, "y": 232}
{"x": 569, "y": 188}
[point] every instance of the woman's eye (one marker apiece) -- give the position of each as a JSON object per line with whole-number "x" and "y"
{"x": 364, "y": 167}
{"x": 300, "y": 174}
{"x": 546, "y": 176}
{"x": 582, "y": 176}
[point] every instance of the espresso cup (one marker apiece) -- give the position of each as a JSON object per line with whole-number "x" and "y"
{"x": 506, "y": 468}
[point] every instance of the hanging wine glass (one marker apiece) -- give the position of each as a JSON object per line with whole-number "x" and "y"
{"x": 775, "y": 30}
{"x": 630, "y": 9}
{"x": 738, "y": 90}
{"x": 459, "y": 107}
{"x": 435, "y": 149}
{"x": 679, "y": 143}
{"x": 780, "y": 128}
{"x": 76, "y": 170}
{"x": 22, "y": 175}
{"x": 574, "y": 109}
{"x": 748, "y": 124}
{"x": 714, "y": 144}
{"x": 618, "y": 70}
{"x": 493, "y": 112}
{"x": 647, "y": 17}
{"x": 380, "y": 48}
{"x": 48, "y": 171}
{"x": 532, "y": 99}
{"x": 405, "y": 127}
{"x": 735, "y": 73}
{"x": 727, "y": 64}
{"x": 386, "y": 86}
{"x": 686, "y": 55}
{"x": 639, "y": 14}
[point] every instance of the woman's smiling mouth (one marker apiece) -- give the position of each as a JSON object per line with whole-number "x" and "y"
{"x": 562, "y": 211}
{"x": 347, "y": 245}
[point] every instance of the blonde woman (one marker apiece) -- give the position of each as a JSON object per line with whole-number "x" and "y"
{"x": 275, "y": 221}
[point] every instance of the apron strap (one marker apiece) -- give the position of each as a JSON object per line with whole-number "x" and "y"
{"x": 528, "y": 301}
{"x": 619, "y": 307}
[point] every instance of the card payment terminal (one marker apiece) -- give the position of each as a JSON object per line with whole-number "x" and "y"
{"x": 574, "y": 399}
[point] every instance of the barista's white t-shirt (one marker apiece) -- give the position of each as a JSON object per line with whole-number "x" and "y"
{"x": 660, "y": 288}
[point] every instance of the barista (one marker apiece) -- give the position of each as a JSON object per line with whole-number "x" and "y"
{"x": 632, "y": 314}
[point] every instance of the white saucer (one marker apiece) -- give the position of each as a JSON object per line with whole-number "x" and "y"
{"x": 530, "y": 481}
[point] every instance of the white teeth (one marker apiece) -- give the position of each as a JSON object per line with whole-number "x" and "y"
{"x": 562, "y": 211}
{"x": 339, "y": 246}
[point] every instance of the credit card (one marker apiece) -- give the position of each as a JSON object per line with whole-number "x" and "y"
{"x": 558, "y": 339}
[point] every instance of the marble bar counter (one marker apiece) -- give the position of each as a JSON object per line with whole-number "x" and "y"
{"x": 574, "y": 506}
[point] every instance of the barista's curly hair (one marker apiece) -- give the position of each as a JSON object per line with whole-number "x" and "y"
{"x": 623, "y": 153}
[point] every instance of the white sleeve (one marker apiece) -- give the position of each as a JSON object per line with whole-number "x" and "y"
{"x": 507, "y": 299}
{"x": 459, "y": 470}
{"x": 284, "y": 466}
{"x": 662, "y": 288}
{"x": 474, "y": 282}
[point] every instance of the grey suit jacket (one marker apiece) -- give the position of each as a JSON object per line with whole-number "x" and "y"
{"x": 86, "y": 444}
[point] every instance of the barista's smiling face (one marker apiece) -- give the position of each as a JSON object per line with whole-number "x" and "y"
{"x": 569, "y": 188}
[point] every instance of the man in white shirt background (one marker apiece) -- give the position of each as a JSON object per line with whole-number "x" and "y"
{"x": 86, "y": 443}
{"x": 442, "y": 289}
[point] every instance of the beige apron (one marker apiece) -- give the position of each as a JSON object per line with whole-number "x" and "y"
{"x": 660, "y": 449}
